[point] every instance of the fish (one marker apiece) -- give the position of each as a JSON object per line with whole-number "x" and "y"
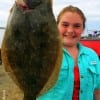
{"x": 31, "y": 48}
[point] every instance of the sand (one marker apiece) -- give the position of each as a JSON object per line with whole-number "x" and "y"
{"x": 8, "y": 89}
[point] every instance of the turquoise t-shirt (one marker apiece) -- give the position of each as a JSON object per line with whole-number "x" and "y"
{"x": 89, "y": 68}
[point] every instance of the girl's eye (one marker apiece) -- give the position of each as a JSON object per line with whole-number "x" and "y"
{"x": 77, "y": 25}
{"x": 65, "y": 24}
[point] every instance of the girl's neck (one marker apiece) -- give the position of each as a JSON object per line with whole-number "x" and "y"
{"x": 71, "y": 48}
{"x": 73, "y": 51}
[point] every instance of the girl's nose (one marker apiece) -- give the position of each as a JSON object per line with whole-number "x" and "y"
{"x": 70, "y": 29}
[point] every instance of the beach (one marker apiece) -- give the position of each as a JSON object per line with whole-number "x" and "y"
{"x": 8, "y": 89}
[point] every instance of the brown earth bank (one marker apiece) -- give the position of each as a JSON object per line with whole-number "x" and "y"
{"x": 8, "y": 89}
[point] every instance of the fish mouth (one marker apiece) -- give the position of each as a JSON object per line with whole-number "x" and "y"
{"x": 32, "y": 3}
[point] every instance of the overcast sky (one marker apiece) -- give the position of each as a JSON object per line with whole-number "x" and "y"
{"x": 91, "y": 9}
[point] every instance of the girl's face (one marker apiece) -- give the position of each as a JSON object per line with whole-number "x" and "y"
{"x": 70, "y": 27}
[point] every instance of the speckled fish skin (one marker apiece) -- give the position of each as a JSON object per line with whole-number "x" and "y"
{"x": 31, "y": 48}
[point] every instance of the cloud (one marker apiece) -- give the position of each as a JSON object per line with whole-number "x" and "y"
{"x": 90, "y": 8}
{"x": 5, "y": 6}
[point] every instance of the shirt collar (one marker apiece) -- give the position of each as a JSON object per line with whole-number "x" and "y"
{"x": 82, "y": 49}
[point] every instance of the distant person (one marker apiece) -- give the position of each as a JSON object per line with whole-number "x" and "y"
{"x": 79, "y": 76}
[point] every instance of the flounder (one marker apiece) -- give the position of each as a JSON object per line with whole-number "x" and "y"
{"x": 31, "y": 48}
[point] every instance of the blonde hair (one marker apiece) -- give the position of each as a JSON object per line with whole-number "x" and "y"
{"x": 74, "y": 9}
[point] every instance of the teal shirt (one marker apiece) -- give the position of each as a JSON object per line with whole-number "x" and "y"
{"x": 89, "y": 68}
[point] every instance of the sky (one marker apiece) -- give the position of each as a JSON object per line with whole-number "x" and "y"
{"x": 91, "y": 9}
